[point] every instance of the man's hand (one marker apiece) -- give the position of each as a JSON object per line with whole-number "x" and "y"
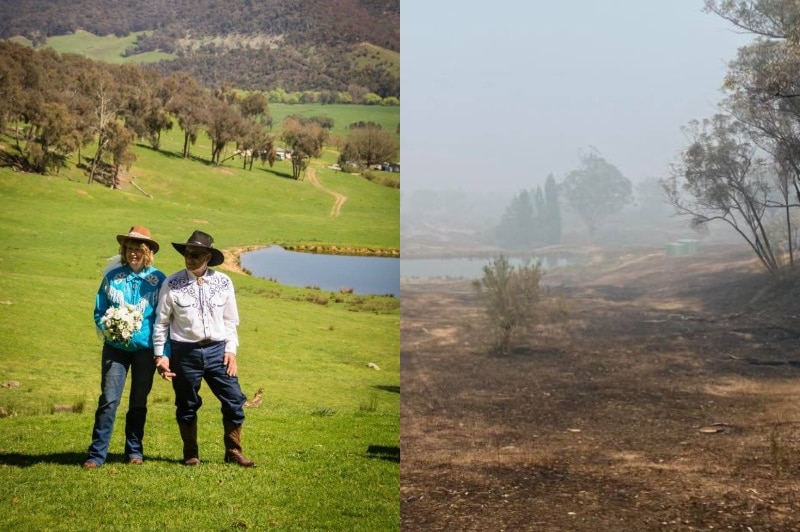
{"x": 162, "y": 367}
{"x": 230, "y": 363}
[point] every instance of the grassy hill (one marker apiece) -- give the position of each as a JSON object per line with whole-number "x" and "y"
{"x": 326, "y": 437}
{"x": 296, "y": 45}
{"x": 108, "y": 48}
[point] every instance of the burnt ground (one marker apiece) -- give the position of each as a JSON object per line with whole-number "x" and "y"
{"x": 655, "y": 393}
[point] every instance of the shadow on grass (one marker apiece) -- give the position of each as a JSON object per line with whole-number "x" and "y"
{"x": 277, "y": 173}
{"x": 393, "y": 389}
{"x": 384, "y": 452}
{"x": 69, "y": 458}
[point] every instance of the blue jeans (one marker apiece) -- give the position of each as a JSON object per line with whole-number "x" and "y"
{"x": 191, "y": 364}
{"x": 115, "y": 364}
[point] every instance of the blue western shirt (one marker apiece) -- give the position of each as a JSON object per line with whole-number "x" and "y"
{"x": 121, "y": 286}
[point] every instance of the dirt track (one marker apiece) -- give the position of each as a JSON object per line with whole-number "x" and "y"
{"x": 664, "y": 394}
{"x": 338, "y": 198}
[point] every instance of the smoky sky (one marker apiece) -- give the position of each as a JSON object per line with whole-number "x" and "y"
{"x": 497, "y": 95}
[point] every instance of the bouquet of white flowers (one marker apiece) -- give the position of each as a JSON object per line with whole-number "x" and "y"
{"x": 120, "y": 323}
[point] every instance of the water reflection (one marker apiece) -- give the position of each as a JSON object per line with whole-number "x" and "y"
{"x": 365, "y": 275}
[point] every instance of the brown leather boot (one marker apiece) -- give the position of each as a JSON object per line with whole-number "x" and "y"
{"x": 189, "y": 437}
{"x": 233, "y": 445}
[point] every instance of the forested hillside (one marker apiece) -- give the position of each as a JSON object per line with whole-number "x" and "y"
{"x": 267, "y": 44}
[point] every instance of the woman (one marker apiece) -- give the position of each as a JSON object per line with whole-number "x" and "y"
{"x": 124, "y": 313}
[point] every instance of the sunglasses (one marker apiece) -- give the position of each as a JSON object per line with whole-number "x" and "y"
{"x": 195, "y": 254}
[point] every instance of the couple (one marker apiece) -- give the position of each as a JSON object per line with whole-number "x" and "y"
{"x": 183, "y": 326}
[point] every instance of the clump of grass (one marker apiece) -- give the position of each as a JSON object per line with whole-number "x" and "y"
{"x": 370, "y": 406}
{"x": 75, "y": 407}
{"x": 316, "y": 299}
{"x": 375, "y": 304}
{"x": 323, "y": 411}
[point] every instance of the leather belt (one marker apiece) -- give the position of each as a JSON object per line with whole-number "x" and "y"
{"x": 202, "y": 343}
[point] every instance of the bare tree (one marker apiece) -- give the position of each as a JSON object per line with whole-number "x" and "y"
{"x": 721, "y": 177}
{"x": 106, "y": 110}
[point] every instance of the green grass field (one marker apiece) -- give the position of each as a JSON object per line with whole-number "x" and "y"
{"x": 388, "y": 117}
{"x": 326, "y": 438}
{"x": 108, "y": 48}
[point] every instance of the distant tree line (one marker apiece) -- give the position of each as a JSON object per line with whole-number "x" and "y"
{"x": 532, "y": 219}
{"x": 595, "y": 191}
{"x": 298, "y": 22}
{"x": 56, "y": 105}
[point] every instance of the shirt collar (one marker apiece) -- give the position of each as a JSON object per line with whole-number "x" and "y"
{"x": 142, "y": 274}
{"x": 194, "y": 277}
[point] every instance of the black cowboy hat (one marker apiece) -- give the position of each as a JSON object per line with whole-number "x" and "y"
{"x": 200, "y": 239}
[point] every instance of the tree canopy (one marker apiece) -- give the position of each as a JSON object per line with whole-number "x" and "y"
{"x": 742, "y": 166}
{"x": 596, "y": 190}
{"x": 62, "y": 103}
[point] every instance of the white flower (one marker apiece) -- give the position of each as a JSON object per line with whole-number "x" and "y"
{"x": 121, "y": 323}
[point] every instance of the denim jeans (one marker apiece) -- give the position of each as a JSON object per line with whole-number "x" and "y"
{"x": 115, "y": 364}
{"x": 191, "y": 364}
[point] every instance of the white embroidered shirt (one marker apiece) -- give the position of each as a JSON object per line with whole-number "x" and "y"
{"x": 193, "y": 309}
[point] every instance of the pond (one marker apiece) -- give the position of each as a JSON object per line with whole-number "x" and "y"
{"x": 464, "y": 268}
{"x": 365, "y": 275}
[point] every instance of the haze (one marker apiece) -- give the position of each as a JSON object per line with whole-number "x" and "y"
{"x": 498, "y": 95}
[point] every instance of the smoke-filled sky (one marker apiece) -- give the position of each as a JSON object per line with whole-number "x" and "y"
{"x": 497, "y": 95}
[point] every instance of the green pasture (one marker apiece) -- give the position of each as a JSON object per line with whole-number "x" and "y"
{"x": 388, "y": 117}
{"x": 107, "y": 48}
{"x": 326, "y": 438}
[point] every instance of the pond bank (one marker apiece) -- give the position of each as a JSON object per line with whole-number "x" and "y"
{"x": 233, "y": 260}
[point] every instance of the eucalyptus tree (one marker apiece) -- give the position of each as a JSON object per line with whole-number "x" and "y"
{"x": 722, "y": 176}
{"x": 224, "y": 124}
{"x": 254, "y": 105}
{"x": 49, "y": 121}
{"x": 596, "y": 190}
{"x": 773, "y": 19}
{"x": 305, "y": 141}
{"x": 773, "y": 121}
{"x": 187, "y": 102}
{"x": 254, "y": 141}
{"x": 145, "y": 104}
{"x": 371, "y": 145}
{"x": 51, "y": 139}
{"x": 744, "y": 168}
{"x": 120, "y": 140}
{"x": 13, "y": 59}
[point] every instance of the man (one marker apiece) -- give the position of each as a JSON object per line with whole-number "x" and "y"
{"x": 197, "y": 314}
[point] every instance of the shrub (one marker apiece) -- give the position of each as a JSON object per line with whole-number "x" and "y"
{"x": 509, "y": 295}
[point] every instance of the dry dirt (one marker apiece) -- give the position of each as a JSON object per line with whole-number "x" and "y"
{"x": 662, "y": 394}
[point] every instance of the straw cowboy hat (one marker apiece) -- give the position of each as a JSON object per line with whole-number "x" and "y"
{"x": 200, "y": 239}
{"x": 141, "y": 233}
